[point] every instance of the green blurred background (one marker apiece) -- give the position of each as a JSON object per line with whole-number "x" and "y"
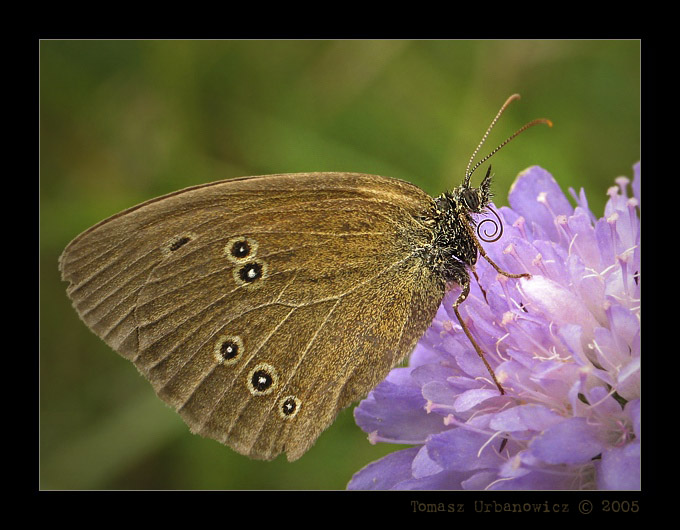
{"x": 125, "y": 121}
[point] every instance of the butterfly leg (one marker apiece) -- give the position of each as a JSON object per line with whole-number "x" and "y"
{"x": 464, "y": 282}
{"x": 474, "y": 272}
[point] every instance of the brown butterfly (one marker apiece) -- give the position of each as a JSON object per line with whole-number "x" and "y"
{"x": 260, "y": 307}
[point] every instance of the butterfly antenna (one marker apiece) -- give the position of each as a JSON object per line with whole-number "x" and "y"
{"x": 468, "y": 172}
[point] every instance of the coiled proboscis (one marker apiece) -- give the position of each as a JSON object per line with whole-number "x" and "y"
{"x": 496, "y": 229}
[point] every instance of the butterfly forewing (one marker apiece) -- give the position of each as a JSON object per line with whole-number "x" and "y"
{"x": 260, "y": 307}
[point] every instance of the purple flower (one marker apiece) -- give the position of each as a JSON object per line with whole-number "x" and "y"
{"x": 565, "y": 345}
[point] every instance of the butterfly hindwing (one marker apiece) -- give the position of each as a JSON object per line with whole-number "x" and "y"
{"x": 260, "y": 307}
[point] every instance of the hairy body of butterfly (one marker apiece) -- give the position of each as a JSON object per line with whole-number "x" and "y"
{"x": 454, "y": 249}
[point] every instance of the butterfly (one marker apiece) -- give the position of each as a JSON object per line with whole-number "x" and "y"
{"x": 260, "y": 307}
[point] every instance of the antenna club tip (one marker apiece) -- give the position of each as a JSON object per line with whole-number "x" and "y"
{"x": 548, "y": 122}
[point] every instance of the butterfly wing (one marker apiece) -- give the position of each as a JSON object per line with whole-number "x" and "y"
{"x": 260, "y": 307}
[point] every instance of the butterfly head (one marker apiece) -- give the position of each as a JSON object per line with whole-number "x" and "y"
{"x": 473, "y": 200}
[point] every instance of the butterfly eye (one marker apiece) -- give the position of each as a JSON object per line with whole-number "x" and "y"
{"x": 289, "y": 406}
{"x": 250, "y": 272}
{"x": 471, "y": 199}
{"x": 228, "y": 349}
{"x": 176, "y": 243}
{"x": 262, "y": 379}
{"x": 240, "y": 248}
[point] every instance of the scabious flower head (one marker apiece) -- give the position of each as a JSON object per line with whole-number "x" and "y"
{"x": 564, "y": 344}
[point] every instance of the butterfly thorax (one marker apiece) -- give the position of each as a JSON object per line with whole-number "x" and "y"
{"x": 453, "y": 248}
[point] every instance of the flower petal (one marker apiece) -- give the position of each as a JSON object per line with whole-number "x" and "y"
{"x": 620, "y": 468}
{"x": 423, "y": 465}
{"x": 472, "y": 398}
{"x": 525, "y": 417}
{"x": 459, "y": 449}
{"x": 572, "y": 441}
{"x": 383, "y": 474}
{"x": 550, "y": 298}
{"x": 534, "y": 185}
{"x": 397, "y": 412}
